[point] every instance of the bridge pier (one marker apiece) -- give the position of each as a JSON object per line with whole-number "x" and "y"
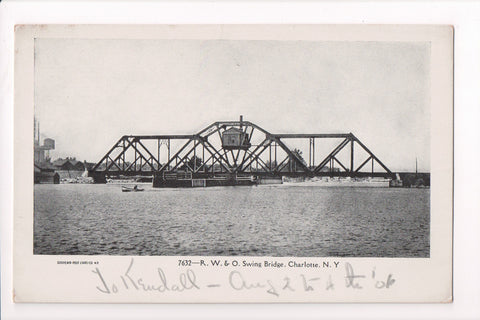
{"x": 98, "y": 176}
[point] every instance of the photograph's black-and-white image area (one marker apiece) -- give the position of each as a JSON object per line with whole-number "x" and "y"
{"x": 232, "y": 147}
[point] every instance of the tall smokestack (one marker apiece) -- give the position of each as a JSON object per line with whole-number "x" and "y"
{"x": 241, "y": 121}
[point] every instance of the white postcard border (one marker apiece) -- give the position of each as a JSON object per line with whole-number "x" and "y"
{"x": 417, "y": 280}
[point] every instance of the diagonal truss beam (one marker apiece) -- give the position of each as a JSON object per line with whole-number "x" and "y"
{"x": 281, "y": 165}
{"x": 141, "y": 156}
{"x": 122, "y": 152}
{"x": 168, "y": 163}
{"x": 149, "y": 153}
{"x": 332, "y": 154}
{"x": 372, "y": 155}
{"x": 254, "y": 156}
{"x": 341, "y": 164}
{"x": 116, "y": 145}
{"x": 363, "y": 164}
{"x": 292, "y": 155}
{"x": 215, "y": 154}
{"x": 258, "y": 160}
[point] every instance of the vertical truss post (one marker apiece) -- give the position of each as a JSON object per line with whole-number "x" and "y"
{"x": 311, "y": 154}
{"x": 135, "y": 162}
{"x": 140, "y": 160}
{"x": 276, "y": 161}
{"x": 158, "y": 154}
{"x": 168, "y": 150}
{"x": 124, "y": 151}
{"x": 313, "y": 151}
{"x": 194, "y": 157}
{"x": 270, "y": 157}
{"x": 213, "y": 165}
{"x": 351, "y": 157}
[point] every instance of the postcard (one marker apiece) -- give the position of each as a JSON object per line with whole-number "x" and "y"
{"x": 233, "y": 163}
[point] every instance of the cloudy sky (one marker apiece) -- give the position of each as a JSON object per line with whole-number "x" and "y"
{"x": 88, "y": 93}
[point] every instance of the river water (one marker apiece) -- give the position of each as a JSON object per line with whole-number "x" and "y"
{"x": 276, "y": 220}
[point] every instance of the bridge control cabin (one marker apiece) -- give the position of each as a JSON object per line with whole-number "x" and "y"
{"x": 234, "y": 139}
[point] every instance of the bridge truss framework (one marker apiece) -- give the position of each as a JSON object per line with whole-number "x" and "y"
{"x": 267, "y": 154}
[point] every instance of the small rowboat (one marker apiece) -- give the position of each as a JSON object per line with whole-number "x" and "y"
{"x": 128, "y": 189}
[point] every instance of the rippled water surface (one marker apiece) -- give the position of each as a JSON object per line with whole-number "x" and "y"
{"x": 252, "y": 221}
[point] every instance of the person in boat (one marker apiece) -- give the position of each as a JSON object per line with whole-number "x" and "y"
{"x": 135, "y": 188}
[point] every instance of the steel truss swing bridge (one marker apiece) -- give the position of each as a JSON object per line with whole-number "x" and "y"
{"x": 238, "y": 150}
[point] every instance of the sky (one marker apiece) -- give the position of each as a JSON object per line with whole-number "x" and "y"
{"x": 89, "y": 93}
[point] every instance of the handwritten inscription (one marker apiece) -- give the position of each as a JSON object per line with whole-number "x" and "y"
{"x": 186, "y": 281}
{"x": 128, "y": 280}
{"x": 238, "y": 282}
